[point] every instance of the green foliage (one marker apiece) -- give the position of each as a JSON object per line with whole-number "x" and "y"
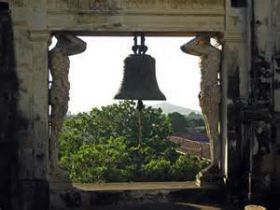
{"x": 102, "y": 146}
{"x": 112, "y": 121}
{"x": 100, "y": 162}
{"x": 178, "y": 121}
{"x": 157, "y": 169}
{"x": 187, "y": 166}
{"x": 193, "y": 123}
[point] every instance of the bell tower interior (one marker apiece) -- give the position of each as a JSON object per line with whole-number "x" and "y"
{"x": 246, "y": 164}
{"x": 180, "y": 87}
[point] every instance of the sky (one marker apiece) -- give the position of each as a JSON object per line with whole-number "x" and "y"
{"x": 96, "y": 74}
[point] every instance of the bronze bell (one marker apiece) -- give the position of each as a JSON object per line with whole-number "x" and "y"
{"x": 139, "y": 80}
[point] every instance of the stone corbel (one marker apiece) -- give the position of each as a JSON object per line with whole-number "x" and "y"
{"x": 234, "y": 37}
{"x": 39, "y": 36}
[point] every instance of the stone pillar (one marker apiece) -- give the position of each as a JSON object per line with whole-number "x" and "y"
{"x": 275, "y": 33}
{"x": 31, "y": 51}
{"x": 32, "y": 68}
{"x": 235, "y": 91}
{"x": 265, "y": 95}
{"x": 234, "y": 98}
{"x": 10, "y": 119}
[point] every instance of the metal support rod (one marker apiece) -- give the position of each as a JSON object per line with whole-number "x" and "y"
{"x": 142, "y": 39}
{"x": 140, "y": 107}
{"x": 135, "y": 46}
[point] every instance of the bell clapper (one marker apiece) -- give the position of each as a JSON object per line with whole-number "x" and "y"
{"x": 140, "y": 107}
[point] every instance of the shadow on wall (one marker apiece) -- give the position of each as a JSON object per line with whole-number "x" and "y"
{"x": 238, "y": 3}
{"x": 10, "y": 119}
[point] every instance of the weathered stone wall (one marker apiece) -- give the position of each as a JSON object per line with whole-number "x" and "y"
{"x": 31, "y": 48}
{"x": 105, "y": 4}
{"x": 35, "y": 20}
{"x": 275, "y": 24}
{"x": 100, "y": 5}
{"x": 275, "y": 46}
{"x": 234, "y": 78}
{"x": 252, "y": 141}
{"x": 33, "y": 23}
{"x": 6, "y": 97}
{"x": 129, "y": 15}
{"x": 264, "y": 96}
{"x": 11, "y": 121}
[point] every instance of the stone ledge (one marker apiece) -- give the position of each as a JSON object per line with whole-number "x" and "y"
{"x": 126, "y": 186}
{"x": 88, "y": 196}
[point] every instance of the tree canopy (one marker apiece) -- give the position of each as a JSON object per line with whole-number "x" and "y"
{"x": 192, "y": 123}
{"x": 102, "y": 146}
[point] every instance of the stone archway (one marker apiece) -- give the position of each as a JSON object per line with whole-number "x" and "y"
{"x": 210, "y": 97}
{"x": 35, "y": 21}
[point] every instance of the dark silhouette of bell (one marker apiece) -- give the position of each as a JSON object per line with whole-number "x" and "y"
{"x": 139, "y": 80}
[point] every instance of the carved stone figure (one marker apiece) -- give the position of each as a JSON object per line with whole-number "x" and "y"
{"x": 209, "y": 96}
{"x": 59, "y": 65}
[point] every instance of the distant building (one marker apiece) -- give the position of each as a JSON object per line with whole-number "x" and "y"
{"x": 192, "y": 136}
{"x": 191, "y": 146}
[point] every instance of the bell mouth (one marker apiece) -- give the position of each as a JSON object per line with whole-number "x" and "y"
{"x": 133, "y": 96}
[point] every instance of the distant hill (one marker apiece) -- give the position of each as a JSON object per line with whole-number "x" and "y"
{"x": 170, "y": 108}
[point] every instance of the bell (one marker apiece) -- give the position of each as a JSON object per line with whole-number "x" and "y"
{"x": 139, "y": 80}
